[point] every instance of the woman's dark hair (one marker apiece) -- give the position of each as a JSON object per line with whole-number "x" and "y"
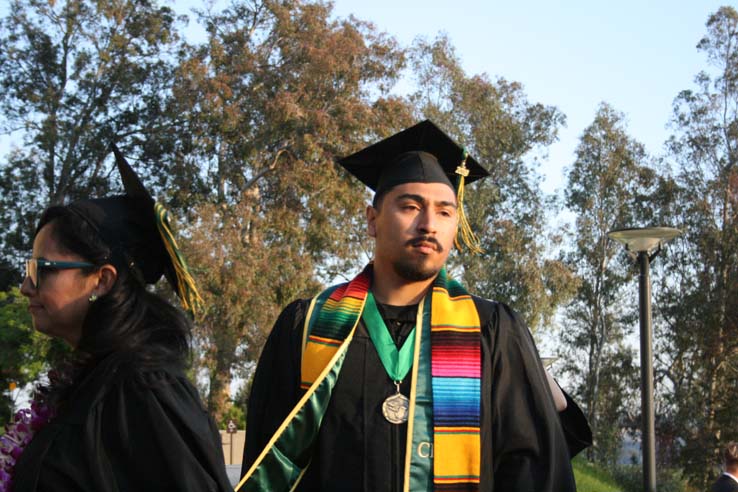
{"x": 128, "y": 318}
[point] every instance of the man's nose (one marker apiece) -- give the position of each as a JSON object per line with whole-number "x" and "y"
{"x": 427, "y": 221}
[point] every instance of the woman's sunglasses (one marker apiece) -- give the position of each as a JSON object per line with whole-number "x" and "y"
{"x": 36, "y": 265}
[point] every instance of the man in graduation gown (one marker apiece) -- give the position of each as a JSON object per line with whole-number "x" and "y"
{"x": 728, "y": 480}
{"x": 400, "y": 380}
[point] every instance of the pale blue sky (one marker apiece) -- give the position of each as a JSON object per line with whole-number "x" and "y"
{"x": 635, "y": 55}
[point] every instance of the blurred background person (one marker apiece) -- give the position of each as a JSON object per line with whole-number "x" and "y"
{"x": 728, "y": 481}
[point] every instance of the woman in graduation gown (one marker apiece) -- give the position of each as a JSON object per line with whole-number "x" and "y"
{"x": 125, "y": 417}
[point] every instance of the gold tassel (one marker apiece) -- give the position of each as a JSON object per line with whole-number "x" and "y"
{"x": 467, "y": 234}
{"x": 186, "y": 286}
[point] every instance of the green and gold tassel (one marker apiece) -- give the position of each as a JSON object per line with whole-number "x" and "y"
{"x": 467, "y": 234}
{"x": 186, "y": 287}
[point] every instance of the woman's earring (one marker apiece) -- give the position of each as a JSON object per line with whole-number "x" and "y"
{"x": 93, "y": 298}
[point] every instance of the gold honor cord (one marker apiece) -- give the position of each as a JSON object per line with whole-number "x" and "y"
{"x": 467, "y": 234}
{"x": 269, "y": 474}
{"x": 409, "y": 441}
{"x": 186, "y": 286}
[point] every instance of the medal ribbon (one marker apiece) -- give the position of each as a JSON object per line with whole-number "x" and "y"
{"x": 397, "y": 363}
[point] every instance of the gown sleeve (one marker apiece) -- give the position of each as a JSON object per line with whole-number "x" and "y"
{"x": 576, "y": 429}
{"x": 524, "y": 448}
{"x": 276, "y": 386}
{"x": 153, "y": 433}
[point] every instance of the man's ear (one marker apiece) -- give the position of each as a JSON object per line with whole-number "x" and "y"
{"x": 371, "y": 218}
{"x": 107, "y": 275}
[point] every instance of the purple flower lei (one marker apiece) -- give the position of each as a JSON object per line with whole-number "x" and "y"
{"x": 17, "y": 435}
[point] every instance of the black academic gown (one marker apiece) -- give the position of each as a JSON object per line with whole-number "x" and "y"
{"x": 577, "y": 432}
{"x": 724, "y": 483}
{"x": 523, "y": 446}
{"x": 126, "y": 429}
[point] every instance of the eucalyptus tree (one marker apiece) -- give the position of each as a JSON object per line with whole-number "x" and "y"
{"x": 278, "y": 91}
{"x": 607, "y": 188}
{"x": 75, "y": 75}
{"x": 505, "y": 132}
{"x": 699, "y": 337}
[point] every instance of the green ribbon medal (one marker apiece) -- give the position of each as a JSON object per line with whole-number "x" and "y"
{"x": 397, "y": 363}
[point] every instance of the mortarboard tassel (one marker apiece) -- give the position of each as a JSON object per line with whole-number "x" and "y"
{"x": 467, "y": 234}
{"x": 186, "y": 287}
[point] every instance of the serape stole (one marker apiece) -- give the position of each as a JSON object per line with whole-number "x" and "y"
{"x": 455, "y": 369}
{"x": 334, "y": 315}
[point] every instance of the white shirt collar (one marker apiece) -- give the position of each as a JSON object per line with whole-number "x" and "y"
{"x": 731, "y": 476}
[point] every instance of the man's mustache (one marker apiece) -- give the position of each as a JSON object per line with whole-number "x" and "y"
{"x": 418, "y": 241}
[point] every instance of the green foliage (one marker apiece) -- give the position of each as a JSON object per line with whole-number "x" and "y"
{"x": 233, "y": 412}
{"x": 630, "y": 478}
{"x": 24, "y": 353}
{"x": 593, "y": 478}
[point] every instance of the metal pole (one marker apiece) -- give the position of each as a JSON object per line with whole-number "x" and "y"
{"x": 648, "y": 437}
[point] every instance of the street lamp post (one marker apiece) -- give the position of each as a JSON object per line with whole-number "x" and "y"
{"x": 644, "y": 244}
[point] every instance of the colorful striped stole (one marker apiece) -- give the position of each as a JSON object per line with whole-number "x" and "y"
{"x": 456, "y": 366}
{"x": 335, "y": 313}
{"x": 282, "y": 463}
{"x": 456, "y": 369}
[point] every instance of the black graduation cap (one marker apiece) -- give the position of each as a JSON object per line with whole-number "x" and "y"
{"x": 422, "y": 153}
{"x": 137, "y": 230}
